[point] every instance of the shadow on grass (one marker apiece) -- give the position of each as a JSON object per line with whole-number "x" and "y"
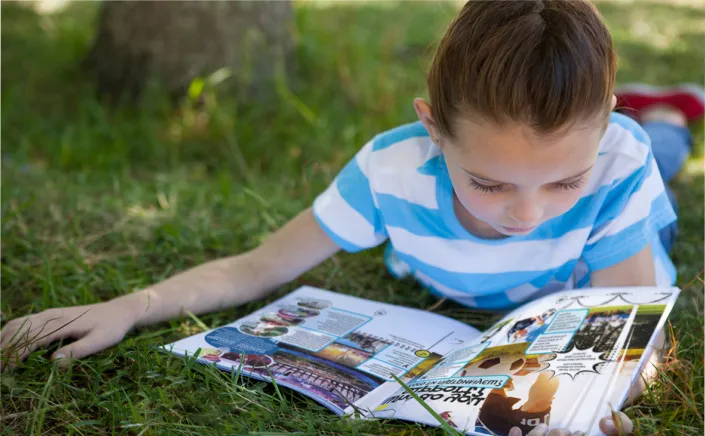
{"x": 352, "y": 86}
{"x": 73, "y": 170}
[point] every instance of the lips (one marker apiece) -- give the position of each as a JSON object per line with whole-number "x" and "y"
{"x": 518, "y": 229}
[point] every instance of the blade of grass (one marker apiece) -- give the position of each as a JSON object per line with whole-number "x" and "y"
{"x": 450, "y": 430}
{"x": 38, "y": 421}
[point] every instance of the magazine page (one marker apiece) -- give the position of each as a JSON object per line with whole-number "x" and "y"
{"x": 334, "y": 348}
{"x": 563, "y": 360}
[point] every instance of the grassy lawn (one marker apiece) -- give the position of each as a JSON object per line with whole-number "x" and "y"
{"x": 98, "y": 202}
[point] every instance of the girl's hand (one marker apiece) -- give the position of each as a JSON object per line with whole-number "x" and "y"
{"x": 95, "y": 327}
{"x": 607, "y": 425}
{"x": 215, "y": 285}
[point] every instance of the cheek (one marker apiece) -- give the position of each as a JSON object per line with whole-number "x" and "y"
{"x": 562, "y": 202}
{"x": 480, "y": 204}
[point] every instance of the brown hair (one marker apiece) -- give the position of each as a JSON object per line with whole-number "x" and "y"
{"x": 541, "y": 63}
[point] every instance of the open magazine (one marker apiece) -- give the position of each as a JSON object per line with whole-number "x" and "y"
{"x": 562, "y": 360}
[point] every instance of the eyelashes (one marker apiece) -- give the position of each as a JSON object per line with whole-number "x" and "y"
{"x": 486, "y": 188}
{"x": 569, "y": 186}
{"x": 561, "y": 186}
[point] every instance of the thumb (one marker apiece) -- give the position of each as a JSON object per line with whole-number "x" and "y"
{"x": 539, "y": 430}
{"x": 610, "y": 427}
{"x": 93, "y": 342}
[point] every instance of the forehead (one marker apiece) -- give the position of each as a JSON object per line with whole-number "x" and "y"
{"x": 515, "y": 152}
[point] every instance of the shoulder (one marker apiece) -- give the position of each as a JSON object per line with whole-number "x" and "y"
{"x": 624, "y": 150}
{"x": 406, "y": 147}
{"x": 402, "y": 163}
{"x": 624, "y": 136}
{"x": 406, "y": 133}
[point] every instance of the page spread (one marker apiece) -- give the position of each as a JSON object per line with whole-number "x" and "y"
{"x": 563, "y": 360}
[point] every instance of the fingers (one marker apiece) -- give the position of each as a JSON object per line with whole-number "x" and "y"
{"x": 22, "y": 336}
{"x": 539, "y": 430}
{"x": 610, "y": 427}
{"x": 11, "y": 330}
{"x": 542, "y": 430}
{"x": 17, "y": 339}
{"x": 93, "y": 342}
{"x": 561, "y": 432}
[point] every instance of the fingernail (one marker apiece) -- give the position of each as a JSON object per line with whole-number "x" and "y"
{"x": 607, "y": 425}
{"x": 541, "y": 428}
{"x": 515, "y": 432}
{"x": 58, "y": 356}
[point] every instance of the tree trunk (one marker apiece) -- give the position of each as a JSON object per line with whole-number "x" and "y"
{"x": 177, "y": 41}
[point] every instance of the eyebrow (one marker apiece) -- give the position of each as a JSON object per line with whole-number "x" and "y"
{"x": 486, "y": 179}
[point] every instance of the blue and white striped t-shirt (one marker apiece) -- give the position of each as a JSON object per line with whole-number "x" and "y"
{"x": 397, "y": 188}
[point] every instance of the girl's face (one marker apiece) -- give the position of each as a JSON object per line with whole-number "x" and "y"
{"x": 508, "y": 180}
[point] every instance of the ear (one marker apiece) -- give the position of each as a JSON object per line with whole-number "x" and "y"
{"x": 423, "y": 111}
{"x": 614, "y": 103}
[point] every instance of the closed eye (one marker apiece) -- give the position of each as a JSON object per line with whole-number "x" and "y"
{"x": 560, "y": 186}
{"x": 486, "y": 188}
{"x": 569, "y": 186}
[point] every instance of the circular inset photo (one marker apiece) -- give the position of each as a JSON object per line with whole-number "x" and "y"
{"x": 263, "y": 330}
{"x": 291, "y": 312}
{"x": 422, "y": 353}
{"x": 275, "y": 319}
{"x": 211, "y": 354}
{"x": 313, "y": 303}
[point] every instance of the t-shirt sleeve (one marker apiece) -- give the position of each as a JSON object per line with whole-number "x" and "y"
{"x": 633, "y": 212}
{"x": 347, "y": 211}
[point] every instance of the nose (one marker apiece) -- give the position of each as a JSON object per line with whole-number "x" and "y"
{"x": 526, "y": 211}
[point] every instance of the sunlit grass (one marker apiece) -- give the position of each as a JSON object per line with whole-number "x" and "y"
{"x": 97, "y": 202}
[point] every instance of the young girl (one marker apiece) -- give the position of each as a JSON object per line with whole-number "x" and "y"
{"x": 518, "y": 180}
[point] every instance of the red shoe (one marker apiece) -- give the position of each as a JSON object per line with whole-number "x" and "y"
{"x": 688, "y": 98}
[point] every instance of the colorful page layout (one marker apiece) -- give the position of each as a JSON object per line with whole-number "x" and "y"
{"x": 334, "y": 348}
{"x": 563, "y": 361}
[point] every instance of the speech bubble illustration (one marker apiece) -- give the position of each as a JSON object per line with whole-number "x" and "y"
{"x": 575, "y": 362}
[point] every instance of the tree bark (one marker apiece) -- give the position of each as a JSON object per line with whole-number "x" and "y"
{"x": 174, "y": 42}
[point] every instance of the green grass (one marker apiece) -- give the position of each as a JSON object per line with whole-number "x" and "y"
{"x": 98, "y": 202}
